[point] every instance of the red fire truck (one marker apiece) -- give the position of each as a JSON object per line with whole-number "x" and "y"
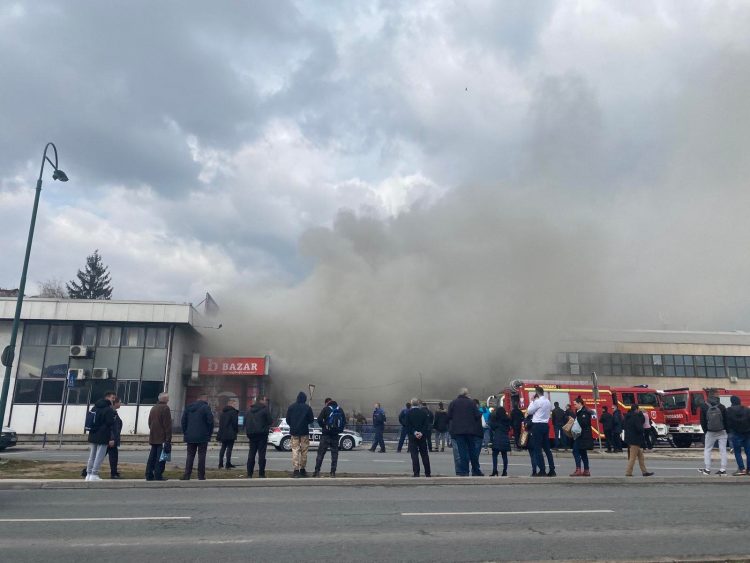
{"x": 682, "y": 412}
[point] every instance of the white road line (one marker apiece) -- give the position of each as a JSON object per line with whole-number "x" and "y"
{"x": 506, "y": 513}
{"x": 388, "y": 461}
{"x": 186, "y": 541}
{"x": 96, "y": 519}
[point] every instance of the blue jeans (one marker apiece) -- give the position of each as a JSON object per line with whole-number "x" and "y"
{"x": 580, "y": 455}
{"x": 740, "y": 442}
{"x": 486, "y": 437}
{"x": 401, "y": 438}
{"x": 540, "y": 431}
{"x": 474, "y": 456}
{"x": 462, "y": 445}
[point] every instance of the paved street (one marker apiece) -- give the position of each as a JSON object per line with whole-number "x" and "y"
{"x": 453, "y": 522}
{"x": 389, "y": 463}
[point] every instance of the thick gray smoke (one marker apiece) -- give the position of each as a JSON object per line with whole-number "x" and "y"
{"x": 643, "y": 226}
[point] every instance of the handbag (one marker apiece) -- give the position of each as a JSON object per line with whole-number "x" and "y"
{"x": 524, "y": 438}
{"x": 575, "y": 430}
{"x": 567, "y": 427}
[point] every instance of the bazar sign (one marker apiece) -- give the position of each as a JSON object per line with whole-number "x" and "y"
{"x": 232, "y": 366}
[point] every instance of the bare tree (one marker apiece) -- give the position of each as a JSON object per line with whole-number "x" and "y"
{"x": 52, "y": 288}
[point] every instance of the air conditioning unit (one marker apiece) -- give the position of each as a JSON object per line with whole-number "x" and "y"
{"x": 77, "y": 374}
{"x": 100, "y": 373}
{"x": 79, "y": 351}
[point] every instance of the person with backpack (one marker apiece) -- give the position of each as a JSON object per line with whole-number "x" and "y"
{"x": 714, "y": 424}
{"x": 583, "y": 439}
{"x": 636, "y": 441}
{"x": 332, "y": 421}
{"x": 159, "y": 438}
{"x": 228, "y": 428}
{"x": 112, "y": 451}
{"x": 258, "y": 422}
{"x": 485, "y": 412}
{"x": 738, "y": 424}
{"x": 418, "y": 425}
{"x": 197, "y": 426}
{"x": 402, "y": 421}
{"x": 440, "y": 425}
{"x": 299, "y": 417}
{"x": 378, "y": 426}
{"x": 100, "y": 422}
{"x": 500, "y": 427}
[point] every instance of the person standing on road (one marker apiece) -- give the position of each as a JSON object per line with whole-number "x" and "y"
{"x": 635, "y": 441}
{"x": 101, "y": 435}
{"x": 485, "y": 412}
{"x": 540, "y": 410}
{"x": 197, "y": 426}
{"x": 500, "y": 427}
{"x": 430, "y": 421}
{"x": 738, "y": 425}
{"x": 463, "y": 420}
{"x": 617, "y": 426}
{"x": 112, "y": 451}
{"x": 516, "y": 421}
{"x": 714, "y": 424}
{"x": 332, "y": 421}
{"x": 418, "y": 426}
{"x": 258, "y": 422}
{"x": 649, "y": 433}
{"x": 299, "y": 417}
{"x": 159, "y": 438}
{"x": 583, "y": 441}
{"x": 440, "y": 425}
{"x": 229, "y": 426}
{"x": 402, "y": 421}
{"x": 378, "y": 426}
{"x": 607, "y": 421}
{"x": 558, "y": 421}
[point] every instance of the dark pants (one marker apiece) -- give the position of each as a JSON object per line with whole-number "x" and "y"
{"x": 540, "y": 431}
{"x": 113, "y": 457}
{"x": 505, "y": 461}
{"x": 609, "y": 436}
{"x": 154, "y": 467}
{"x": 258, "y": 445}
{"x": 417, "y": 448}
{"x": 616, "y": 440}
{"x": 741, "y": 442}
{"x": 517, "y": 436}
{"x": 378, "y": 439}
{"x": 650, "y": 435}
{"x": 429, "y": 441}
{"x": 226, "y": 446}
{"x": 461, "y": 445}
{"x": 328, "y": 442}
{"x": 580, "y": 455}
{"x": 559, "y": 436}
{"x": 401, "y": 438}
{"x": 474, "y": 452}
{"x": 191, "y": 451}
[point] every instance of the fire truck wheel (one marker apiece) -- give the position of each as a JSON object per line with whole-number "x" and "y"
{"x": 683, "y": 441}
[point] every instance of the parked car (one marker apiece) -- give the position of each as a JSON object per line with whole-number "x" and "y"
{"x": 8, "y": 438}
{"x": 280, "y": 438}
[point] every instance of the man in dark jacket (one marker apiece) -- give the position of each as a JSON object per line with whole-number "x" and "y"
{"x": 159, "y": 438}
{"x": 197, "y": 426}
{"x": 440, "y": 425}
{"x": 378, "y": 427}
{"x": 465, "y": 425}
{"x": 516, "y": 422}
{"x": 558, "y": 421}
{"x": 112, "y": 451}
{"x": 258, "y": 422}
{"x": 607, "y": 422}
{"x": 101, "y": 435}
{"x": 402, "y": 422}
{"x": 332, "y": 420}
{"x": 714, "y": 424}
{"x": 229, "y": 426}
{"x": 636, "y": 441}
{"x": 299, "y": 417}
{"x": 738, "y": 425}
{"x": 617, "y": 426}
{"x": 418, "y": 425}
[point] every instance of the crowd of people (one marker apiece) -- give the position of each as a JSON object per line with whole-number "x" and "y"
{"x": 466, "y": 427}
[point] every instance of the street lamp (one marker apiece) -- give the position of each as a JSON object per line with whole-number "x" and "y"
{"x": 9, "y": 352}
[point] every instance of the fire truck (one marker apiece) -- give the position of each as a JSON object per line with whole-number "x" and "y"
{"x": 682, "y": 412}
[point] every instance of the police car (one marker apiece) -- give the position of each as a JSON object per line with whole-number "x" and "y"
{"x": 279, "y": 437}
{"x": 8, "y": 438}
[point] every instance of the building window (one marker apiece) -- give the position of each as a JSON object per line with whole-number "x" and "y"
{"x": 88, "y": 336}
{"x": 78, "y": 395}
{"x": 60, "y": 335}
{"x": 156, "y": 338}
{"x": 27, "y": 391}
{"x": 154, "y": 364}
{"x": 150, "y": 392}
{"x": 35, "y": 335}
{"x": 133, "y": 337}
{"x": 52, "y": 391}
{"x": 109, "y": 336}
{"x": 127, "y": 391}
{"x": 100, "y": 387}
{"x": 31, "y": 362}
{"x": 130, "y": 363}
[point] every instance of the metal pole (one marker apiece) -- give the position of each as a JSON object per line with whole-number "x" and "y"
{"x": 595, "y": 385}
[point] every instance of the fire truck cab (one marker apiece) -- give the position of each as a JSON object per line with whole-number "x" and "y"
{"x": 648, "y": 400}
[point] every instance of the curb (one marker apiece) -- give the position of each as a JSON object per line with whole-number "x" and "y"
{"x": 33, "y": 484}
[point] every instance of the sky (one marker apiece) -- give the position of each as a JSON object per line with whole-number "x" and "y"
{"x": 447, "y": 173}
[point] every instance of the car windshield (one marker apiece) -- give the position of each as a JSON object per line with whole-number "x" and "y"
{"x": 675, "y": 401}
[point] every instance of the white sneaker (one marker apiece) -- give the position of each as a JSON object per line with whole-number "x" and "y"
{"x": 704, "y": 472}
{"x": 95, "y": 478}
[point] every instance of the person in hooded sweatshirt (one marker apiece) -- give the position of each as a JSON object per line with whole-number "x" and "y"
{"x": 714, "y": 424}
{"x": 299, "y": 417}
{"x": 332, "y": 420}
{"x": 258, "y": 422}
{"x": 101, "y": 435}
{"x": 738, "y": 424}
{"x": 197, "y": 427}
{"x": 229, "y": 425}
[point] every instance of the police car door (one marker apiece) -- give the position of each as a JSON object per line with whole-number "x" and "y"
{"x": 314, "y": 433}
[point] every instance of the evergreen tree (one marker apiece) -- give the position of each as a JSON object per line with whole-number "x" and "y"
{"x": 94, "y": 281}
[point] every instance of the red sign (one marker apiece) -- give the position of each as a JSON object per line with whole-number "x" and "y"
{"x": 232, "y": 366}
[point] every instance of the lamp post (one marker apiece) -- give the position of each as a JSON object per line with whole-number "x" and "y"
{"x": 9, "y": 352}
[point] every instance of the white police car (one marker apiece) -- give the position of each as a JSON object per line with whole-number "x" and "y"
{"x": 279, "y": 437}
{"x": 8, "y": 438}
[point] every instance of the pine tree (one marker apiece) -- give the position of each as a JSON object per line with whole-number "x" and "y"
{"x": 94, "y": 281}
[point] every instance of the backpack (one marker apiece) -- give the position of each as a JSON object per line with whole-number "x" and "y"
{"x": 90, "y": 423}
{"x": 335, "y": 421}
{"x": 714, "y": 418}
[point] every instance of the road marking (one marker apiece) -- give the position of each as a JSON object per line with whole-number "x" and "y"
{"x": 187, "y": 541}
{"x": 104, "y": 519}
{"x": 388, "y": 461}
{"x": 506, "y": 513}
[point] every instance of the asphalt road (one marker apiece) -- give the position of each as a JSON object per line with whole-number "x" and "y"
{"x": 390, "y": 463}
{"x": 346, "y": 523}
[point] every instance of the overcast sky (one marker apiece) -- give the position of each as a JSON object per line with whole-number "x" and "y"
{"x": 208, "y": 143}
